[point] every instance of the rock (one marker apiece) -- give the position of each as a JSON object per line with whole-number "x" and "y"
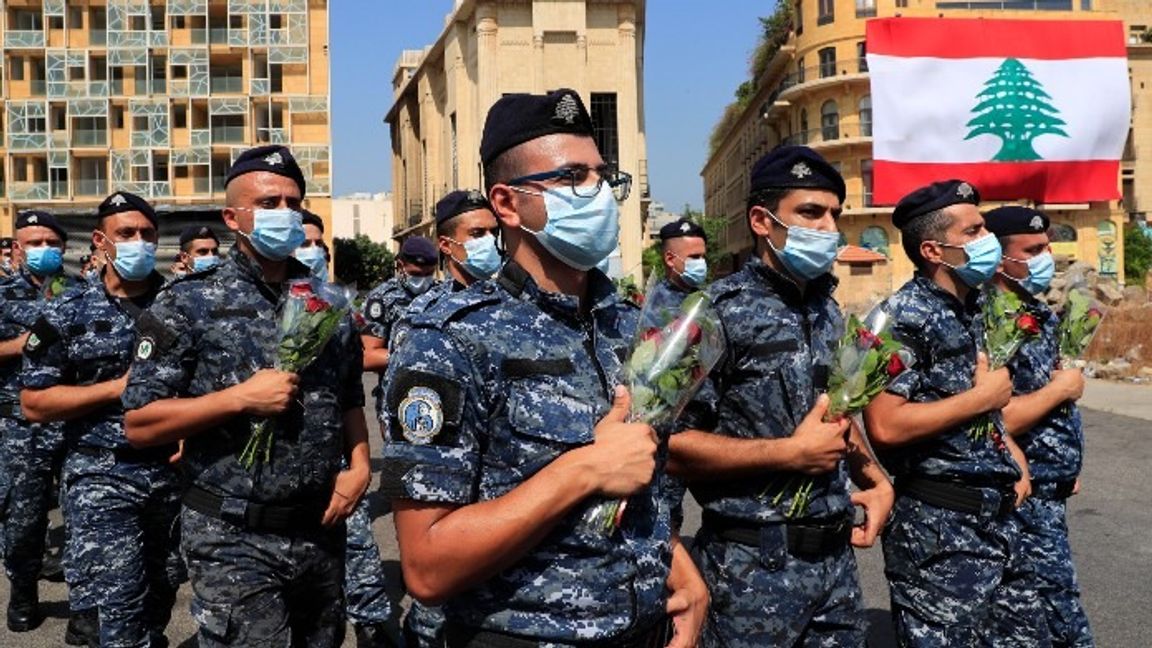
{"x": 1135, "y": 295}
{"x": 1145, "y": 372}
{"x": 1058, "y": 283}
{"x": 1114, "y": 370}
{"x": 1135, "y": 354}
{"x": 1109, "y": 293}
{"x": 1081, "y": 275}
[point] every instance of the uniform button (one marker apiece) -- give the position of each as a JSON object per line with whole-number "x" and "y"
{"x": 489, "y": 289}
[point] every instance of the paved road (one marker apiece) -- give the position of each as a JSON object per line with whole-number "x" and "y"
{"x": 1111, "y": 526}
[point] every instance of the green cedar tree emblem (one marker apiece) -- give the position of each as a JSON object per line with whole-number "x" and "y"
{"x": 1014, "y": 107}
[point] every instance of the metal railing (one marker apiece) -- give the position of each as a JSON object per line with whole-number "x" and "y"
{"x": 228, "y": 134}
{"x": 30, "y": 191}
{"x": 199, "y": 36}
{"x": 202, "y": 184}
{"x": 231, "y": 85}
{"x": 829, "y": 133}
{"x": 842, "y": 67}
{"x": 17, "y": 38}
{"x": 218, "y": 35}
{"x": 89, "y": 138}
{"x": 38, "y": 88}
{"x": 97, "y": 37}
{"x": 1019, "y": 5}
{"x": 91, "y": 187}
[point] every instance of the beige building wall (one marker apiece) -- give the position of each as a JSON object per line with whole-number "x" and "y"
{"x": 367, "y": 214}
{"x": 798, "y": 84}
{"x": 157, "y": 97}
{"x": 489, "y": 48}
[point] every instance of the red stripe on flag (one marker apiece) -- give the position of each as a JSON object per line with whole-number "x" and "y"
{"x": 1049, "y": 182}
{"x": 956, "y": 38}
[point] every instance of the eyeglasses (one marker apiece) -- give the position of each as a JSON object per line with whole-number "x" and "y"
{"x": 577, "y": 178}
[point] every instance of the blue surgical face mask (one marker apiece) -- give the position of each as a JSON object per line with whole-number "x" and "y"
{"x": 314, "y": 258}
{"x": 417, "y": 285}
{"x": 43, "y": 260}
{"x": 134, "y": 260}
{"x": 276, "y": 233}
{"x": 581, "y": 232}
{"x": 808, "y": 253}
{"x": 206, "y": 262}
{"x": 483, "y": 258}
{"x": 983, "y": 259}
{"x": 1041, "y": 268}
{"x": 695, "y": 272}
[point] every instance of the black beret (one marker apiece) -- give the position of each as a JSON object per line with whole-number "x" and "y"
{"x": 193, "y": 232}
{"x": 1015, "y": 219}
{"x": 34, "y": 217}
{"x": 937, "y": 195}
{"x": 123, "y": 201}
{"x": 518, "y": 118}
{"x": 418, "y": 250}
{"x": 796, "y": 167}
{"x": 273, "y": 159}
{"x": 309, "y": 218}
{"x": 681, "y": 228}
{"x": 6, "y": 243}
{"x": 459, "y": 202}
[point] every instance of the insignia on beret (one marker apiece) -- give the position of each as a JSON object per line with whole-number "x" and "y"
{"x": 118, "y": 200}
{"x": 275, "y": 159}
{"x": 421, "y": 415}
{"x": 375, "y": 310}
{"x": 33, "y": 219}
{"x": 1037, "y": 223}
{"x": 33, "y": 342}
{"x": 684, "y": 227}
{"x": 566, "y": 110}
{"x": 964, "y": 190}
{"x": 801, "y": 170}
{"x": 475, "y": 196}
{"x": 145, "y": 348}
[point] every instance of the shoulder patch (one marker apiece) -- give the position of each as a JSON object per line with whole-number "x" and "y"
{"x": 155, "y": 333}
{"x": 145, "y": 348}
{"x": 421, "y": 415}
{"x": 41, "y": 336}
{"x": 374, "y": 310}
{"x": 423, "y": 403}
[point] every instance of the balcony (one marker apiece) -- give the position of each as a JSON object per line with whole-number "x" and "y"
{"x": 227, "y": 85}
{"x": 844, "y": 70}
{"x": 228, "y": 134}
{"x": 38, "y": 87}
{"x": 23, "y": 38}
{"x": 415, "y": 212}
{"x": 218, "y": 36}
{"x": 202, "y": 184}
{"x": 27, "y": 141}
{"x": 825, "y": 137}
{"x": 30, "y": 191}
{"x": 97, "y": 37}
{"x": 271, "y": 136}
{"x": 199, "y": 36}
{"x": 92, "y": 187}
{"x": 82, "y": 138}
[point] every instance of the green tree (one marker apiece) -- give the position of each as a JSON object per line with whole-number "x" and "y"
{"x": 1014, "y": 107}
{"x": 1137, "y": 254}
{"x": 362, "y": 262}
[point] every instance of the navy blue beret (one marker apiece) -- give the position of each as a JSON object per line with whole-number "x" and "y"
{"x": 796, "y": 167}
{"x": 35, "y": 217}
{"x": 123, "y": 201}
{"x": 6, "y": 243}
{"x": 459, "y": 202}
{"x": 418, "y": 250}
{"x": 1015, "y": 219}
{"x": 273, "y": 159}
{"x": 681, "y": 228}
{"x": 193, "y": 232}
{"x": 937, "y": 195}
{"x": 310, "y": 218}
{"x": 518, "y": 118}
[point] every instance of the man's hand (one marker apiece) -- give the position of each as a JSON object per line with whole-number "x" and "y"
{"x": 995, "y": 387}
{"x": 877, "y": 503}
{"x": 179, "y": 454}
{"x": 267, "y": 393}
{"x": 687, "y": 599}
{"x": 1070, "y": 382}
{"x": 622, "y": 460}
{"x": 350, "y": 487}
{"x": 818, "y": 446}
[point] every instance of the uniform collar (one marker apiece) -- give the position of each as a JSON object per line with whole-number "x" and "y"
{"x": 249, "y": 270}
{"x": 521, "y": 285}
{"x": 784, "y": 286}
{"x": 969, "y": 306}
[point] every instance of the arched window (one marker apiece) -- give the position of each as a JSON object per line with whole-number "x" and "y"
{"x": 875, "y": 238}
{"x": 803, "y": 133}
{"x": 829, "y": 121}
{"x": 866, "y": 116}
{"x": 1061, "y": 233}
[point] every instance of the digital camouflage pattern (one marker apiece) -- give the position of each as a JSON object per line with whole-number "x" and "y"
{"x": 365, "y": 583}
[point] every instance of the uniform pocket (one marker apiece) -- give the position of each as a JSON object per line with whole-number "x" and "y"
{"x": 545, "y": 420}
{"x": 214, "y": 619}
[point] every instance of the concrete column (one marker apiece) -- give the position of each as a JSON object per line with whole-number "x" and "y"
{"x": 631, "y": 142}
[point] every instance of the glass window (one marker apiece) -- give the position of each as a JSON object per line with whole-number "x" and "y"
{"x": 865, "y": 8}
{"x": 603, "y": 113}
{"x": 829, "y": 120}
{"x": 803, "y": 126}
{"x": 827, "y": 12}
{"x": 800, "y": 70}
{"x": 874, "y": 238}
{"x": 861, "y": 57}
{"x": 827, "y": 62}
{"x": 866, "y": 116}
{"x": 866, "y": 180}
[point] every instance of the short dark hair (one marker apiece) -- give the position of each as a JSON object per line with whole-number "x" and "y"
{"x": 502, "y": 168}
{"x": 768, "y": 199}
{"x": 929, "y": 227}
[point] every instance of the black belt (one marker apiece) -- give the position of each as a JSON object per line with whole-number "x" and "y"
{"x": 11, "y": 410}
{"x": 459, "y": 636}
{"x": 254, "y": 516}
{"x": 804, "y": 540}
{"x": 158, "y": 454}
{"x": 994, "y": 501}
{"x": 1053, "y": 490}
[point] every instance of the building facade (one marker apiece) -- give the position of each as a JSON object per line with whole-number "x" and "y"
{"x": 489, "y": 48}
{"x": 363, "y": 214}
{"x": 157, "y": 98}
{"x": 815, "y": 90}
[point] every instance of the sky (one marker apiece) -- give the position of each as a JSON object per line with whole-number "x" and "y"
{"x": 696, "y": 54}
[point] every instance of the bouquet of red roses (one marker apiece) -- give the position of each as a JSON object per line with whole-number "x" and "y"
{"x": 867, "y": 359}
{"x": 1078, "y": 324}
{"x": 673, "y": 352}
{"x": 1007, "y": 325}
{"x": 309, "y": 317}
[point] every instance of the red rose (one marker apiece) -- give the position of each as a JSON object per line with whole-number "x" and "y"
{"x": 895, "y": 365}
{"x": 300, "y": 289}
{"x": 866, "y": 340}
{"x": 694, "y": 333}
{"x": 650, "y": 334}
{"x": 1095, "y": 313}
{"x": 316, "y": 305}
{"x": 1027, "y": 323}
{"x": 638, "y": 298}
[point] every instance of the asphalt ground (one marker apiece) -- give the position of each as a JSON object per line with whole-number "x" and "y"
{"x": 1110, "y": 523}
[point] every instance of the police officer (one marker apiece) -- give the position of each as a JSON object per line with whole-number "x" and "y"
{"x": 684, "y": 245}
{"x": 264, "y": 542}
{"x": 779, "y": 564}
{"x": 950, "y": 550}
{"x": 6, "y": 265}
{"x": 385, "y": 304}
{"x": 32, "y": 451}
{"x": 313, "y": 252}
{"x": 1043, "y": 417}
{"x": 507, "y": 422}
{"x": 120, "y": 502}
{"x": 199, "y": 249}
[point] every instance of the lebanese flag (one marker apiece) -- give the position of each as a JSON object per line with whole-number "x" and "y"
{"x": 1022, "y": 109}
